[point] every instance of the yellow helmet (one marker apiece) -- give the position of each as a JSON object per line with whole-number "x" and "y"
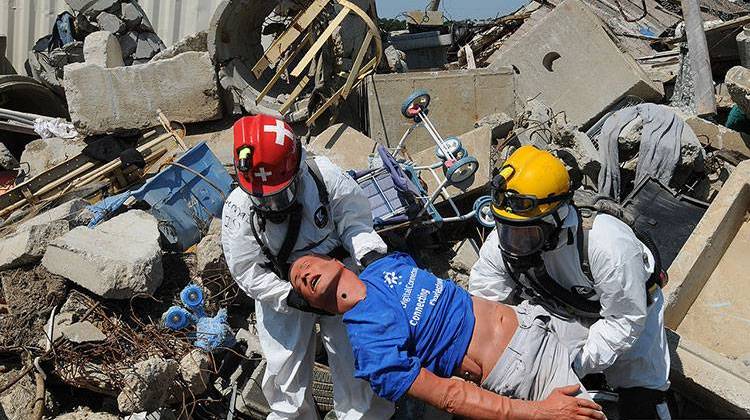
{"x": 532, "y": 183}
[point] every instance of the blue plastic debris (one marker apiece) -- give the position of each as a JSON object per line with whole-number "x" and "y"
{"x": 184, "y": 197}
{"x": 210, "y": 332}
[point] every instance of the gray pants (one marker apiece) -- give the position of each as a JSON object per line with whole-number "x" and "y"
{"x": 534, "y": 363}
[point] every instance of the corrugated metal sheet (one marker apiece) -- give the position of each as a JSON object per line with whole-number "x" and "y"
{"x": 25, "y": 21}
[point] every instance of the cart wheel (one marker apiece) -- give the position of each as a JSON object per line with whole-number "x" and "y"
{"x": 483, "y": 211}
{"x": 454, "y": 146}
{"x": 192, "y": 296}
{"x": 176, "y": 318}
{"x": 418, "y": 101}
{"x": 461, "y": 170}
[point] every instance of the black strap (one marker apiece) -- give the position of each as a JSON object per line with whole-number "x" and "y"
{"x": 314, "y": 170}
{"x": 280, "y": 262}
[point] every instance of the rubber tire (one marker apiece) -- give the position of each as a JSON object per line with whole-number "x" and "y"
{"x": 465, "y": 161}
{"x": 322, "y": 387}
{"x": 413, "y": 97}
{"x": 483, "y": 201}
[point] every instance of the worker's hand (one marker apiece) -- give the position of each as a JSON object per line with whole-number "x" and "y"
{"x": 562, "y": 405}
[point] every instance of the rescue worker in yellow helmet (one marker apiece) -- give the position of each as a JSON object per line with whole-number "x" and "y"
{"x": 599, "y": 285}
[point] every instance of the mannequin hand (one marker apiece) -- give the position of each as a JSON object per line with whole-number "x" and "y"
{"x": 562, "y": 405}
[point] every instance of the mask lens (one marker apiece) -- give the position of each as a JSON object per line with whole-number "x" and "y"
{"x": 278, "y": 202}
{"x": 520, "y": 240}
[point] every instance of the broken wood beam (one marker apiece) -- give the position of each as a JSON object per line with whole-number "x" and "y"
{"x": 327, "y": 32}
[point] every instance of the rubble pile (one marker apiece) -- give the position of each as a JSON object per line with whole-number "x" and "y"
{"x": 117, "y": 154}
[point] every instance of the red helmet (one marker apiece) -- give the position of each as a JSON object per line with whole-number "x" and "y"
{"x": 267, "y": 158}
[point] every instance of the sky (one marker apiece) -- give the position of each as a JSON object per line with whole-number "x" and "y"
{"x": 454, "y": 9}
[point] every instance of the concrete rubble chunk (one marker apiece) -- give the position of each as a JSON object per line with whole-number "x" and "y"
{"x": 17, "y": 402}
{"x": 718, "y": 136}
{"x": 85, "y": 413}
{"x": 29, "y": 242}
{"x": 103, "y": 49}
{"x": 345, "y": 146}
{"x": 147, "y": 386}
{"x": 132, "y": 15}
{"x": 183, "y": 87}
{"x": 195, "y": 369}
{"x": 195, "y": 42}
{"x": 148, "y": 45}
{"x": 110, "y": 23}
{"x": 209, "y": 253}
{"x": 115, "y": 260}
{"x": 83, "y": 332}
{"x": 737, "y": 80}
{"x": 42, "y": 154}
{"x": 90, "y": 6}
{"x": 7, "y": 160}
{"x": 458, "y": 98}
{"x": 556, "y": 59}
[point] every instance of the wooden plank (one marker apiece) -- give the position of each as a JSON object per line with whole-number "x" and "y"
{"x": 357, "y": 64}
{"x": 700, "y": 64}
{"x": 282, "y": 68}
{"x": 320, "y": 42}
{"x": 336, "y": 96}
{"x": 295, "y": 93}
{"x": 287, "y": 38}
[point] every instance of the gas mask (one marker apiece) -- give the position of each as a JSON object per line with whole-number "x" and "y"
{"x": 522, "y": 244}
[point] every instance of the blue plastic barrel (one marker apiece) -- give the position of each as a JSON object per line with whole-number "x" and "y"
{"x": 185, "y": 200}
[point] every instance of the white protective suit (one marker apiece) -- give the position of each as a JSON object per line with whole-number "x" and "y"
{"x": 286, "y": 334}
{"x": 628, "y": 342}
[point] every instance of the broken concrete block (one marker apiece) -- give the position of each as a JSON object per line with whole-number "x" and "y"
{"x": 147, "y": 386}
{"x": 718, "y": 136}
{"x": 85, "y": 413}
{"x": 132, "y": 15}
{"x": 17, "y": 402}
{"x": 149, "y": 44}
{"x": 115, "y": 260}
{"x": 7, "y": 160}
{"x": 345, "y": 146}
{"x": 104, "y": 100}
{"x": 478, "y": 143}
{"x": 500, "y": 123}
{"x": 457, "y": 99}
{"x": 29, "y": 242}
{"x": 195, "y": 369}
{"x": 209, "y": 253}
{"x": 42, "y": 154}
{"x": 110, "y": 23}
{"x": 90, "y": 6}
{"x": 557, "y": 58}
{"x": 103, "y": 49}
{"x": 129, "y": 43}
{"x": 195, "y": 42}
{"x": 738, "y": 84}
{"x": 82, "y": 332}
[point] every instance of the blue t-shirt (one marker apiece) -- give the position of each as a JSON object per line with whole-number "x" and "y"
{"x": 409, "y": 319}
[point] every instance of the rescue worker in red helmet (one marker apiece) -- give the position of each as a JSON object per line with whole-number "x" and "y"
{"x": 288, "y": 205}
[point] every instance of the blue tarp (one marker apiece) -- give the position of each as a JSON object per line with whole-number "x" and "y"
{"x": 184, "y": 197}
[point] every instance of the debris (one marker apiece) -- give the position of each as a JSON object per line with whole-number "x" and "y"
{"x": 424, "y": 50}
{"x": 82, "y": 332}
{"x": 28, "y": 243}
{"x": 183, "y": 87}
{"x": 18, "y": 402}
{"x": 195, "y": 369}
{"x": 97, "y": 260}
{"x": 483, "y": 91}
{"x": 85, "y": 413}
{"x": 552, "y": 60}
{"x": 196, "y": 42}
{"x": 103, "y": 49}
{"x": 43, "y": 154}
{"x": 209, "y": 253}
{"x": 345, "y": 146}
{"x": 719, "y": 137}
{"x": 147, "y": 385}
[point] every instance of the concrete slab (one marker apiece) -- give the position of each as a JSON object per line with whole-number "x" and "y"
{"x": 570, "y": 62}
{"x": 104, "y": 100}
{"x": 103, "y": 49}
{"x": 459, "y": 99}
{"x": 718, "y": 136}
{"x": 345, "y": 146}
{"x": 707, "y": 302}
{"x": 479, "y": 143}
{"x": 705, "y": 249}
{"x": 719, "y": 384}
